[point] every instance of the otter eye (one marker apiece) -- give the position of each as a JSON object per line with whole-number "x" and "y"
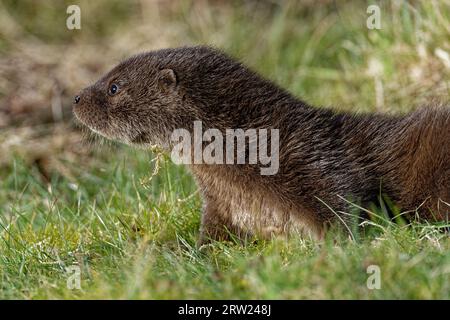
{"x": 113, "y": 89}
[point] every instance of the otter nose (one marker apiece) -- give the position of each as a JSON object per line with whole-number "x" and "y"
{"x": 77, "y": 99}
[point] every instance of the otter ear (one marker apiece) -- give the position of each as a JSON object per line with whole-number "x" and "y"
{"x": 167, "y": 78}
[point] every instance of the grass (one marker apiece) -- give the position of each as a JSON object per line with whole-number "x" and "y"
{"x": 137, "y": 240}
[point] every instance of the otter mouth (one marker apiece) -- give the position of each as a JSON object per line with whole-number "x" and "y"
{"x": 78, "y": 119}
{"x": 83, "y": 120}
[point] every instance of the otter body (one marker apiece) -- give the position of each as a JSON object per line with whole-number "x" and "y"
{"x": 326, "y": 159}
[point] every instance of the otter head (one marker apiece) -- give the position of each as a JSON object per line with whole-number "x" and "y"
{"x": 138, "y": 102}
{"x": 145, "y": 98}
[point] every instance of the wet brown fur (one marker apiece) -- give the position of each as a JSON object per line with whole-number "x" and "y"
{"x": 325, "y": 156}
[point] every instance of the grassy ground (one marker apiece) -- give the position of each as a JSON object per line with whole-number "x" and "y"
{"x": 134, "y": 237}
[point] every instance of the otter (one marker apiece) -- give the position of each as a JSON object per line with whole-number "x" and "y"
{"x": 328, "y": 161}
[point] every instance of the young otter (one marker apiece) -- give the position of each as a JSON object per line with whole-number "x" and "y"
{"x": 325, "y": 157}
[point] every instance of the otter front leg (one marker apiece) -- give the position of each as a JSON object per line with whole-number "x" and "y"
{"x": 216, "y": 225}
